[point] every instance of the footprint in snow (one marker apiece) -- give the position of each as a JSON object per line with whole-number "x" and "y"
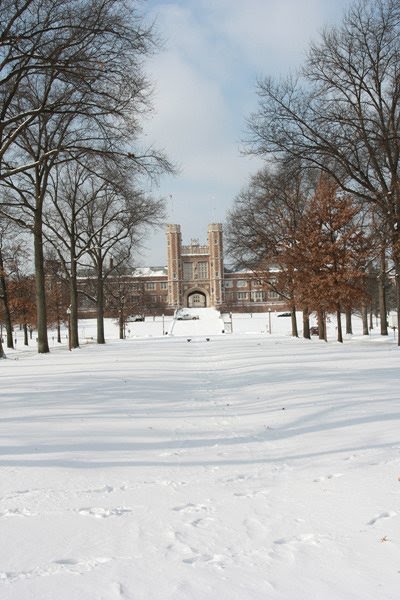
{"x": 202, "y": 523}
{"x": 106, "y": 489}
{"x": 16, "y": 512}
{"x": 305, "y": 538}
{"x": 63, "y": 565}
{"x": 103, "y": 513}
{"x": 384, "y": 515}
{"x": 217, "y": 560}
{"x": 252, "y": 494}
{"x": 332, "y": 476}
{"x": 192, "y": 508}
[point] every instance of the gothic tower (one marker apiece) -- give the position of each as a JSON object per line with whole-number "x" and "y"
{"x": 216, "y": 263}
{"x": 174, "y": 241}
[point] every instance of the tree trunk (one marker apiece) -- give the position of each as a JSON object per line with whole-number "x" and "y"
{"x": 382, "y": 300}
{"x": 371, "y": 319}
{"x": 25, "y": 328}
{"x": 306, "y": 324}
{"x": 58, "y": 330}
{"x": 7, "y": 314}
{"x": 100, "y": 309}
{"x": 364, "y": 316}
{"x": 321, "y": 325}
{"x": 396, "y": 258}
{"x": 339, "y": 326}
{"x": 295, "y": 332}
{"x": 2, "y": 353}
{"x": 74, "y": 304}
{"x": 121, "y": 325}
{"x": 398, "y": 302}
{"x": 40, "y": 284}
{"x": 349, "y": 325}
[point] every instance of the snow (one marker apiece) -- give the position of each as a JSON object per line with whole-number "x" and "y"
{"x": 150, "y": 271}
{"x": 250, "y": 467}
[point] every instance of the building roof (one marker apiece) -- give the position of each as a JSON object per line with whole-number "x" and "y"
{"x": 150, "y": 271}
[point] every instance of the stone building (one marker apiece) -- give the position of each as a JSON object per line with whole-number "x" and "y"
{"x": 195, "y": 271}
{"x": 195, "y": 277}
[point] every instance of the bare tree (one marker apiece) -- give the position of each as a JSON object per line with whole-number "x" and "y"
{"x": 342, "y": 114}
{"x": 71, "y": 191}
{"x": 111, "y": 227}
{"x": 13, "y": 253}
{"x": 263, "y": 225}
{"x": 91, "y": 101}
{"x": 79, "y": 57}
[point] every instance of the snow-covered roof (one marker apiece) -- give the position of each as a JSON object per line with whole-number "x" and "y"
{"x": 150, "y": 271}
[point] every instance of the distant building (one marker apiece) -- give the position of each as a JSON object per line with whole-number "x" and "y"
{"x": 195, "y": 277}
{"x": 195, "y": 272}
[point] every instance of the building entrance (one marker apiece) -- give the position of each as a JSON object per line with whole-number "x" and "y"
{"x": 197, "y": 300}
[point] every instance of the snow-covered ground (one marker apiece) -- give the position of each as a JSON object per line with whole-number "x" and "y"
{"x": 252, "y": 466}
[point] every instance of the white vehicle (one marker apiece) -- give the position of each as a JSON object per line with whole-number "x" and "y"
{"x": 184, "y": 316}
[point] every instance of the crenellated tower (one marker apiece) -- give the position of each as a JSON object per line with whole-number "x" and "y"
{"x": 174, "y": 244}
{"x": 216, "y": 263}
{"x": 195, "y": 271}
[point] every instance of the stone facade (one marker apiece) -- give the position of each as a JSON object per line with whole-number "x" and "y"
{"x": 195, "y": 277}
{"x": 195, "y": 271}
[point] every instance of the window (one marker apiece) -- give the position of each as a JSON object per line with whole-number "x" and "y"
{"x": 163, "y": 285}
{"x": 228, "y": 284}
{"x": 242, "y": 295}
{"x": 150, "y": 285}
{"x": 272, "y": 294}
{"x": 202, "y": 269}
{"x": 187, "y": 271}
{"x": 258, "y": 296}
{"x": 241, "y": 283}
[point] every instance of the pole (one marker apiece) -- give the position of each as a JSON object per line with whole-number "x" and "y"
{"x": 269, "y": 321}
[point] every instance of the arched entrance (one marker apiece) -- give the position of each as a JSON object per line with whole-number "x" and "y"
{"x": 196, "y": 299}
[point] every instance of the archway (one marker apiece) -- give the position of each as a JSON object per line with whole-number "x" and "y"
{"x": 197, "y": 299}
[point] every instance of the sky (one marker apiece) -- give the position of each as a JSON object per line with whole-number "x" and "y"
{"x": 204, "y": 79}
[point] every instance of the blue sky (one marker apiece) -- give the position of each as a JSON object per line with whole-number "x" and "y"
{"x": 204, "y": 82}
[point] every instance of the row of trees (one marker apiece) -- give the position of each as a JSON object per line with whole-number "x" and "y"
{"x": 72, "y": 172}
{"x": 309, "y": 242}
{"x": 330, "y": 205}
{"x": 122, "y": 296}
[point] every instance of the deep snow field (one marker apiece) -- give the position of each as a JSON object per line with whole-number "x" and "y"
{"x": 252, "y": 466}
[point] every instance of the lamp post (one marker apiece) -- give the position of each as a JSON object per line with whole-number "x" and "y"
{"x": 69, "y": 327}
{"x": 269, "y": 320}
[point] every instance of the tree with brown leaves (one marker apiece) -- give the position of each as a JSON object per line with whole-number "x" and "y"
{"x": 330, "y": 254}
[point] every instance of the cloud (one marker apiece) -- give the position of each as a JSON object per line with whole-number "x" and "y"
{"x": 266, "y": 34}
{"x": 205, "y": 78}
